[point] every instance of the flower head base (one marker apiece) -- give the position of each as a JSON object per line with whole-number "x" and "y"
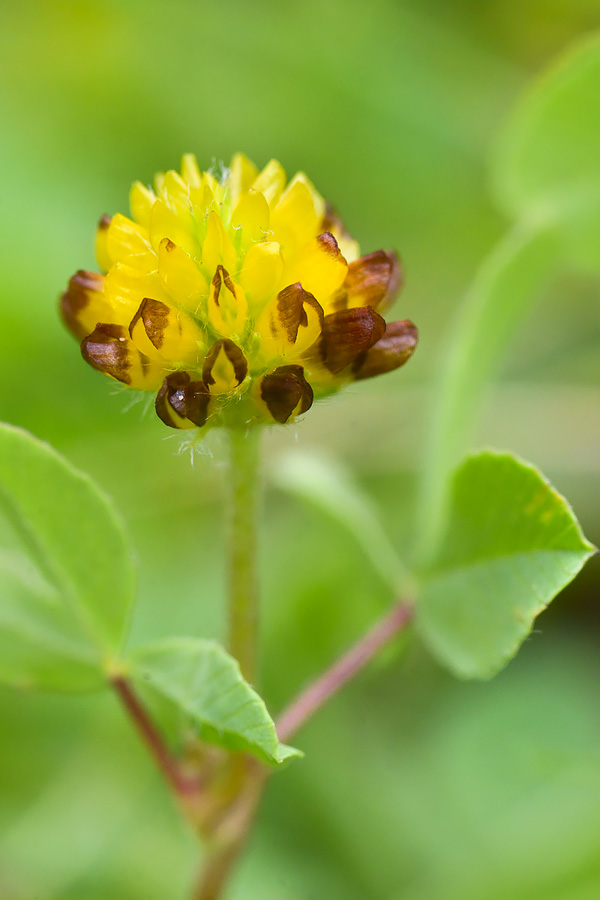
{"x": 235, "y": 301}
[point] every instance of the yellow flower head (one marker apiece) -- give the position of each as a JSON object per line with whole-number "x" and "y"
{"x": 236, "y": 300}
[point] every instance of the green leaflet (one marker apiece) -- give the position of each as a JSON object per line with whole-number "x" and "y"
{"x": 206, "y": 684}
{"x": 511, "y": 544}
{"x": 549, "y": 157}
{"x": 67, "y": 590}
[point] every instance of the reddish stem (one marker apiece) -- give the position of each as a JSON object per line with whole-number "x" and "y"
{"x": 333, "y": 679}
{"x": 183, "y": 786}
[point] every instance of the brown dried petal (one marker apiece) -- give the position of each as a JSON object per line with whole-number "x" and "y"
{"x": 348, "y": 334}
{"x": 374, "y": 280}
{"x": 154, "y": 316}
{"x": 291, "y": 312}
{"x": 390, "y": 352}
{"x": 234, "y": 355}
{"x": 286, "y": 391}
{"x": 188, "y": 399}
{"x": 107, "y": 349}
{"x": 80, "y": 292}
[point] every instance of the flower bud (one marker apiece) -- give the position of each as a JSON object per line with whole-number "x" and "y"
{"x": 234, "y": 299}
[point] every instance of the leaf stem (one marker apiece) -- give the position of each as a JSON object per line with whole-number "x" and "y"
{"x": 312, "y": 698}
{"x": 244, "y": 478}
{"x": 182, "y": 786}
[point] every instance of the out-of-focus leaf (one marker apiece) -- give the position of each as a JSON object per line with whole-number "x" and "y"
{"x": 206, "y": 684}
{"x": 324, "y": 482}
{"x": 65, "y": 601}
{"x": 511, "y": 544}
{"x": 504, "y": 290}
{"x": 549, "y": 158}
{"x": 41, "y": 643}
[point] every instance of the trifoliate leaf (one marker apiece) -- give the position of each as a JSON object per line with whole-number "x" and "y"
{"x": 66, "y": 571}
{"x": 511, "y": 544}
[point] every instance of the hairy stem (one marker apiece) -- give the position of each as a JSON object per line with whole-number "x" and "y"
{"x": 244, "y": 476}
{"x": 312, "y": 698}
{"x": 182, "y": 786}
{"x": 231, "y": 836}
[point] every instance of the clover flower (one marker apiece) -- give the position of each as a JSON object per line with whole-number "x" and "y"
{"x": 236, "y": 300}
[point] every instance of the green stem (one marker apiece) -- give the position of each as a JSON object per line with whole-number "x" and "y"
{"x": 244, "y": 477}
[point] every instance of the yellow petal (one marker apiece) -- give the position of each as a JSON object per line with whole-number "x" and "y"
{"x": 290, "y": 323}
{"x": 166, "y": 334}
{"x": 225, "y": 367}
{"x": 203, "y": 200}
{"x": 176, "y": 194}
{"x": 83, "y": 304}
{"x": 190, "y": 171}
{"x": 271, "y": 181}
{"x": 227, "y": 305}
{"x": 261, "y": 272}
{"x": 215, "y": 186}
{"x": 127, "y": 242}
{"x": 241, "y": 175}
{"x": 296, "y": 218}
{"x": 251, "y": 214}
{"x": 102, "y": 255}
{"x": 164, "y": 223}
{"x": 141, "y": 199}
{"x": 181, "y": 277}
{"x": 319, "y": 266}
{"x": 218, "y": 249}
{"x": 124, "y": 290}
{"x": 110, "y": 350}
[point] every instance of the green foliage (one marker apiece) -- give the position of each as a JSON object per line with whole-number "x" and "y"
{"x": 549, "y": 159}
{"x": 66, "y": 591}
{"x": 503, "y": 291}
{"x": 438, "y": 758}
{"x": 511, "y": 544}
{"x": 324, "y": 482}
{"x": 205, "y": 683}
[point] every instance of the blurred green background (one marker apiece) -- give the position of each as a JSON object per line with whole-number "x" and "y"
{"x": 414, "y": 787}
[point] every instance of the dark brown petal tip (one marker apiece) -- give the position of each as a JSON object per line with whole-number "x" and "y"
{"x": 374, "y": 280}
{"x": 291, "y": 312}
{"x": 235, "y": 357}
{"x": 286, "y": 392}
{"x": 107, "y": 349}
{"x": 328, "y": 243}
{"x": 220, "y": 278}
{"x": 390, "y": 352}
{"x": 80, "y": 291}
{"x": 348, "y": 334}
{"x": 179, "y": 399}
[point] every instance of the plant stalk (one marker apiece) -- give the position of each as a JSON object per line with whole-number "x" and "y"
{"x": 244, "y": 477}
{"x": 228, "y": 842}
